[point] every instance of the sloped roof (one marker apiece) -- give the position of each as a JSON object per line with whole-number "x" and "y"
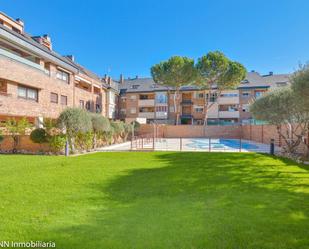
{"x": 252, "y": 80}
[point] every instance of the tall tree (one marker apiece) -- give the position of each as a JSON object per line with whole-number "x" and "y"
{"x": 216, "y": 72}
{"x": 174, "y": 73}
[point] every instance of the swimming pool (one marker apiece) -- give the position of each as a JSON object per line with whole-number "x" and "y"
{"x": 222, "y": 144}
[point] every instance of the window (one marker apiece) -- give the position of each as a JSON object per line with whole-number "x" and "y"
{"x": 143, "y": 97}
{"x": 27, "y": 93}
{"x": 133, "y": 97}
{"x": 213, "y": 97}
{"x": 135, "y": 86}
{"x": 172, "y": 109}
{"x": 54, "y": 98}
{"x": 199, "y": 109}
{"x": 61, "y": 75}
{"x": 64, "y": 100}
{"x": 200, "y": 95}
{"x": 81, "y": 104}
{"x": 133, "y": 110}
{"x": 245, "y": 94}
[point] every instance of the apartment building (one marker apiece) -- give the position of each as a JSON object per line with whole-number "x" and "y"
{"x": 37, "y": 83}
{"x": 143, "y": 100}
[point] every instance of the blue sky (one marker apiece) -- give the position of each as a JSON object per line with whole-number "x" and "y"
{"x": 114, "y": 37}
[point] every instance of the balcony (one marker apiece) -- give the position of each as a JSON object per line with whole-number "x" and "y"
{"x": 228, "y": 100}
{"x": 228, "y": 114}
{"x": 150, "y": 115}
{"x": 146, "y": 102}
{"x": 22, "y": 60}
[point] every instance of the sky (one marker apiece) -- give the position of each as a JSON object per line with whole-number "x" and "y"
{"x": 128, "y": 37}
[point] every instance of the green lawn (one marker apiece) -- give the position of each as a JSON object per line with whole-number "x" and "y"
{"x": 155, "y": 200}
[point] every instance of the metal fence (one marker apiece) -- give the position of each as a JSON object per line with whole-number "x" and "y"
{"x": 149, "y": 142}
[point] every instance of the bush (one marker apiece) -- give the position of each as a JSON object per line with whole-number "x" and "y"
{"x": 84, "y": 140}
{"x": 73, "y": 121}
{"x": 38, "y": 136}
{"x": 57, "y": 143}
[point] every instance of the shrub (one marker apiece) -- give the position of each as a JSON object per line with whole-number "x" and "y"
{"x": 73, "y": 121}
{"x": 84, "y": 140}
{"x": 118, "y": 129}
{"x": 57, "y": 143}
{"x": 39, "y": 136}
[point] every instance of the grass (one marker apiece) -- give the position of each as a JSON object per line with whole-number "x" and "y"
{"x": 155, "y": 200}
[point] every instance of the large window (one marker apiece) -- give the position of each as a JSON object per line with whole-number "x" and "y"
{"x": 27, "y": 93}
{"x": 61, "y": 75}
{"x": 54, "y": 98}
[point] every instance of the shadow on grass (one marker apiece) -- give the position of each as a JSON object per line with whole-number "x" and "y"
{"x": 199, "y": 200}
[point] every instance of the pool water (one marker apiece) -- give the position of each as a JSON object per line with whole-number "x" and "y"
{"x": 203, "y": 144}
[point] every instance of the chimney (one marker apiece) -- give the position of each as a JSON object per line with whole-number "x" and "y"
{"x": 271, "y": 73}
{"x": 71, "y": 57}
{"x": 44, "y": 40}
{"x": 21, "y": 22}
{"x": 121, "y": 79}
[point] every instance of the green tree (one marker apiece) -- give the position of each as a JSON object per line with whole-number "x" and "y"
{"x": 73, "y": 121}
{"x": 283, "y": 109}
{"x": 216, "y": 72}
{"x": 100, "y": 125}
{"x": 300, "y": 85}
{"x": 174, "y": 73}
{"x": 16, "y": 129}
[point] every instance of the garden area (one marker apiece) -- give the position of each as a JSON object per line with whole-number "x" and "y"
{"x": 75, "y": 131}
{"x": 155, "y": 200}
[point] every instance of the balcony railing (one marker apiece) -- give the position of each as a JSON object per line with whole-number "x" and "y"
{"x": 15, "y": 57}
{"x": 146, "y": 102}
{"x": 228, "y": 114}
{"x": 146, "y": 115}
